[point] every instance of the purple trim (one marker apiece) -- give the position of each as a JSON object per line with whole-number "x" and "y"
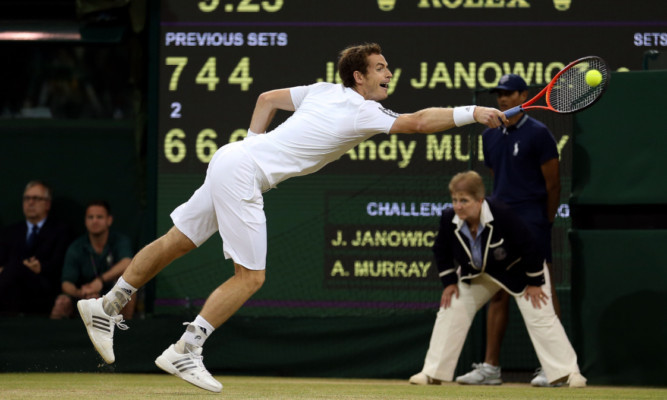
{"x": 363, "y": 24}
{"x": 410, "y": 305}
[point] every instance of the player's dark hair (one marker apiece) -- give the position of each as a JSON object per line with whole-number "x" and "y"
{"x": 101, "y": 203}
{"x": 355, "y": 58}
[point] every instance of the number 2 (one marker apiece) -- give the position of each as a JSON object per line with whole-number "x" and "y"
{"x": 175, "y": 110}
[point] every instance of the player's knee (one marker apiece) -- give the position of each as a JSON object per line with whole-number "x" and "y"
{"x": 177, "y": 243}
{"x": 253, "y": 279}
{"x": 256, "y": 280}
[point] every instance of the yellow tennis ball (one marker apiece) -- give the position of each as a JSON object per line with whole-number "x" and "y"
{"x": 593, "y": 77}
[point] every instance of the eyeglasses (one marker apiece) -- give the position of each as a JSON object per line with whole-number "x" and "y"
{"x": 34, "y": 198}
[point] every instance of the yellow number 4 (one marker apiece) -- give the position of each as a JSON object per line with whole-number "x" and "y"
{"x": 207, "y": 75}
{"x": 241, "y": 74}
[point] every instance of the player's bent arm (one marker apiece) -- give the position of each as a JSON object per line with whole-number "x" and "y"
{"x": 267, "y": 105}
{"x": 435, "y": 119}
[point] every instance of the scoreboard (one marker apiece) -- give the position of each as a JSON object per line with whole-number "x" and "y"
{"x": 355, "y": 238}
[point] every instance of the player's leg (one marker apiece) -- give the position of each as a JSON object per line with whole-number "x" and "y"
{"x": 239, "y": 212}
{"x": 154, "y": 257}
{"x": 194, "y": 223}
{"x": 237, "y": 199}
{"x": 184, "y": 358}
{"x": 101, "y": 315}
{"x": 128, "y": 310}
{"x": 231, "y": 295}
{"x": 450, "y": 330}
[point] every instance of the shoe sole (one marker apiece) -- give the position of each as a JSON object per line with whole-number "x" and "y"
{"x": 547, "y": 385}
{"x": 490, "y": 383}
{"x": 420, "y": 383}
{"x": 169, "y": 368}
{"x": 86, "y": 316}
{"x": 424, "y": 384}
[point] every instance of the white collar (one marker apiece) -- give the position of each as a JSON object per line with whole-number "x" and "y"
{"x": 39, "y": 225}
{"x": 485, "y": 216}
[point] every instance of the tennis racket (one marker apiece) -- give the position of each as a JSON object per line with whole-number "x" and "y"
{"x": 568, "y": 91}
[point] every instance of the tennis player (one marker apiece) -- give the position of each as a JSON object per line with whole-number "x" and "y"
{"x": 328, "y": 120}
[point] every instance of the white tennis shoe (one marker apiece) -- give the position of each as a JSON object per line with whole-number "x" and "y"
{"x": 482, "y": 374}
{"x": 188, "y": 366}
{"x": 100, "y": 326}
{"x": 540, "y": 380}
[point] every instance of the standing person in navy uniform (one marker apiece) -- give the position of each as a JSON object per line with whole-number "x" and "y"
{"x": 523, "y": 157}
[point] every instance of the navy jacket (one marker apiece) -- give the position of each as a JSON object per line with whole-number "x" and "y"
{"x": 21, "y": 290}
{"x": 509, "y": 253}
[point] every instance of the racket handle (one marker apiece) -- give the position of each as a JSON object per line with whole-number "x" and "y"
{"x": 513, "y": 111}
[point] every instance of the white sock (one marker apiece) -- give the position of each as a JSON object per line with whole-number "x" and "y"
{"x": 118, "y": 297}
{"x": 202, "y": 323}
{"x": 197, "y": 332}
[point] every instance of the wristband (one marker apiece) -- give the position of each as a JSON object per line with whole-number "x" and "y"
{"x": 464, "y": 115}
{"x": 251, "y": 133}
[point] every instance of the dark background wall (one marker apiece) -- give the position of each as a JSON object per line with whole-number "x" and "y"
{"x": 81, "y": 161}
{"x": 619, "y": 282}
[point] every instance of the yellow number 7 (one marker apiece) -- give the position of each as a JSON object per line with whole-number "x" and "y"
{"x": 179, "y": 62}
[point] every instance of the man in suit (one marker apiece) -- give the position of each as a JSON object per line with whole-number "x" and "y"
{"x": 31, "y": 256}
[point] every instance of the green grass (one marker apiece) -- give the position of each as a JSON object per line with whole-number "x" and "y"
{"x": 99, "y": 386}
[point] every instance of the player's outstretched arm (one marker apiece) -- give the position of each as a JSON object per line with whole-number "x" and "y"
{"x": 267, "y": 105}
{"x": 436, "y": 119}
{"x": 490, "y": 117}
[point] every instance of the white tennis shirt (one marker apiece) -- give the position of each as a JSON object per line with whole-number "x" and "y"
{"x": 329, "y": 119}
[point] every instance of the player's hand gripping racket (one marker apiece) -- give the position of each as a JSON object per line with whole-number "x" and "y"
{"x": 574, "y": 88}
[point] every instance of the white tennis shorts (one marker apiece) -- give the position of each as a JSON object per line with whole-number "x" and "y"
{"x": 230, "y": 201}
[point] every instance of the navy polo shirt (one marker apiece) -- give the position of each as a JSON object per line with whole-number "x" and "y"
{"x": 516, "y": 155}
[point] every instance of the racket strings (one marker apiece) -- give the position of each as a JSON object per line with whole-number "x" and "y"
{"x": 571, "y": 93}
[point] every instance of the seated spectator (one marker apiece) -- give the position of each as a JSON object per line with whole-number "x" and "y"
{"x": 93, "y": 262}
{"x": 31, "y": 256}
